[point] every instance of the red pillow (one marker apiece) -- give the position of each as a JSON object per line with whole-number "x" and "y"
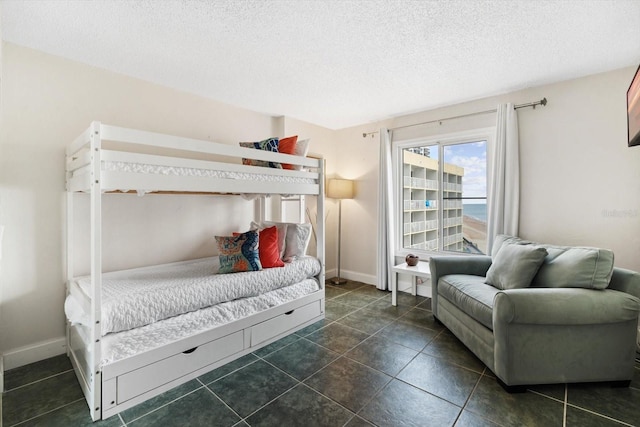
{"x": 288, "y": 146}
{"x": 268, "y": 248}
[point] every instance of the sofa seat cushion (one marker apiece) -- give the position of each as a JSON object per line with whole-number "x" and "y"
{"x": 470, "y": 294}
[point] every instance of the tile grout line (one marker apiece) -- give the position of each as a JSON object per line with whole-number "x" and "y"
{"x": 259, "y": 358}
{"x": 288, "y": 374}
{"x": 225, "y": 404}
{"x": 37, "y": 381}
{"x": 395, "y": 377}
{"x": 546, "y": 396}
{"x": 298, "y": 382}
{"x": 375, "y": 395}
{"x": 566, "y": 399}
{"x": 332, "y": 400}
{"x": 47, "y": 413}
{"x": 229, "y": 373}
{"x": 310, "y": 375}
{"x": 599, "y": 414}
{"x": 462, "y": 409}
{"x": 374, "y": 335}
{"x": 302, "y": 382}
{"x": 163, "y": 405}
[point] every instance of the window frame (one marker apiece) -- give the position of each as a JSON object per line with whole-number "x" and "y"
{"x": 440, "y": 140}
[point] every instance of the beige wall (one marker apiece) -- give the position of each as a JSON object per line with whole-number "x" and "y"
{"x": 46, "y": 102}
{"x": 320, "y": 138}
{"x": 580, "y": 183}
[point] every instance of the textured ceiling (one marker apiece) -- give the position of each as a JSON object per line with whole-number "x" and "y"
{"x": 335, "y": 63}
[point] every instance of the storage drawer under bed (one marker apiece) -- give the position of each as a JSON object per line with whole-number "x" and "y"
{"x": 141, "y": 380}
{"x": 284, "y": 322}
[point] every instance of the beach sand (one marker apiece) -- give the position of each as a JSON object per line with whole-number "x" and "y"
{"x": 475, "y": 231}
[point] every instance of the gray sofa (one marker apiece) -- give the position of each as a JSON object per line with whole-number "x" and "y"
{"x": 554, "y": 314}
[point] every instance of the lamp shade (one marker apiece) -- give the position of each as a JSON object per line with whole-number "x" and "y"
{"x": 340, "y": 189}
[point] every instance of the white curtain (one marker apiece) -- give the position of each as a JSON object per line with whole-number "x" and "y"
{"x": 386, "y": 230}
{"x": 504, "y": 177}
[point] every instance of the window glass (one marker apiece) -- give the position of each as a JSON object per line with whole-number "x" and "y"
{"x": 445, "y": 203}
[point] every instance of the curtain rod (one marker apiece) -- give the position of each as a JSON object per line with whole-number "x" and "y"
{"x": 542, "y": 102}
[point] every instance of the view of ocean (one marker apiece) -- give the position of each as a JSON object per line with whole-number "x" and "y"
{"x": 475, "y": 210}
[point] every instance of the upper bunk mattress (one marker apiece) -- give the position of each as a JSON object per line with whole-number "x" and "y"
{"x": 138, "y": 297}
{"x": 113, "y": 166}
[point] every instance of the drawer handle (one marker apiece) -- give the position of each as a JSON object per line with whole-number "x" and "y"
{"x": 191, "y": 350}
{"x": 289, "y": 312}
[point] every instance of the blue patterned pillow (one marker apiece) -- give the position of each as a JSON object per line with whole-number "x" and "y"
{"x": 239, "y": 253}
{"x": 270, "y": 144}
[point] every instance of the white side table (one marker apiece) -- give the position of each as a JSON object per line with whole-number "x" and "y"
{"x": 420, "y": 270}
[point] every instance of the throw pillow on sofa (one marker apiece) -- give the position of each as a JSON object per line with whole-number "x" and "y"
{"x": 515, "y": 266}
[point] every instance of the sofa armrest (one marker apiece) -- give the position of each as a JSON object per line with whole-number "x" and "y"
{"x": 564, "y": 335}
{"x": 624, "y": 280}
{"x": 565, "y": 306}
{"x": 476, "y": 265}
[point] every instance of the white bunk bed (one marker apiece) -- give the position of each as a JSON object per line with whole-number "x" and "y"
{"x": 185, "y": 166}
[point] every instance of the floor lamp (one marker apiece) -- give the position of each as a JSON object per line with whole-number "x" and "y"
{"x": 340, "y": 189}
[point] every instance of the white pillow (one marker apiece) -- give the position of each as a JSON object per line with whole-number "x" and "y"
{"x": 297, "y": 240}
{"x": 302, "y": 148}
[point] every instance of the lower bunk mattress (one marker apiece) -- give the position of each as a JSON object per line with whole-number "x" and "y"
{"x": 139, "y": 297}
{"x": 120, "y": 345}
{"x": 185, "y": 298}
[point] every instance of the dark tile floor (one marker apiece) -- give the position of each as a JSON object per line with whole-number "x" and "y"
{"x": 367, "y": 363}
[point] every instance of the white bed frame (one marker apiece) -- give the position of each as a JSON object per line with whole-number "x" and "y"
{"x": 120, "y": 385}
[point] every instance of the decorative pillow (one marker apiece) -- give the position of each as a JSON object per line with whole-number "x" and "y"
{"x": 239, "y": 253}
{"x": 268, "y": 247}
{"x": 566, "y": 266}
{"x": 297, "y": 240}
{"x": 288, "y": 146}
{"x": 515, "y": 266}
{"x": 302, "y": 149}
{"x": 269, "y": 250}
{"x": 506, "y": 239}
{"x": 282, "y": 233}
{"x": 270, "y": 144}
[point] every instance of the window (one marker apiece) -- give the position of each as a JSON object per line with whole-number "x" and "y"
{"x": 443, "y": 202}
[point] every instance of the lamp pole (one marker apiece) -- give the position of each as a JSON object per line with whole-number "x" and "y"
{"x": 340, "y": 189}
{"x": 339, "y": 281}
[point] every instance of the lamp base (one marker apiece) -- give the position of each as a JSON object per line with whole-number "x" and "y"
{"x": 338, "y": 281}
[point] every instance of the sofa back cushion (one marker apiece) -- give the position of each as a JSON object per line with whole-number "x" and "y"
{"x": 567, "y": 266}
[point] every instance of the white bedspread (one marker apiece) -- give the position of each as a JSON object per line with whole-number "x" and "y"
{"x": 139, "y": 297}
{"x": 123, "y": 344}
{"x": 201, "y": 173}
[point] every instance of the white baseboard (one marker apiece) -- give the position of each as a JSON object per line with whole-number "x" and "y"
{"x": 34, "y": 353}
{"x": 329, "y": 274}
{"x": 424, "y": 289}
{"x": 351, "y": 275}
{"x": 359, "y": 277}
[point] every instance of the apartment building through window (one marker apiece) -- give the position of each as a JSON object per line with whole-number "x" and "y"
{"x": 443, "y": 194}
